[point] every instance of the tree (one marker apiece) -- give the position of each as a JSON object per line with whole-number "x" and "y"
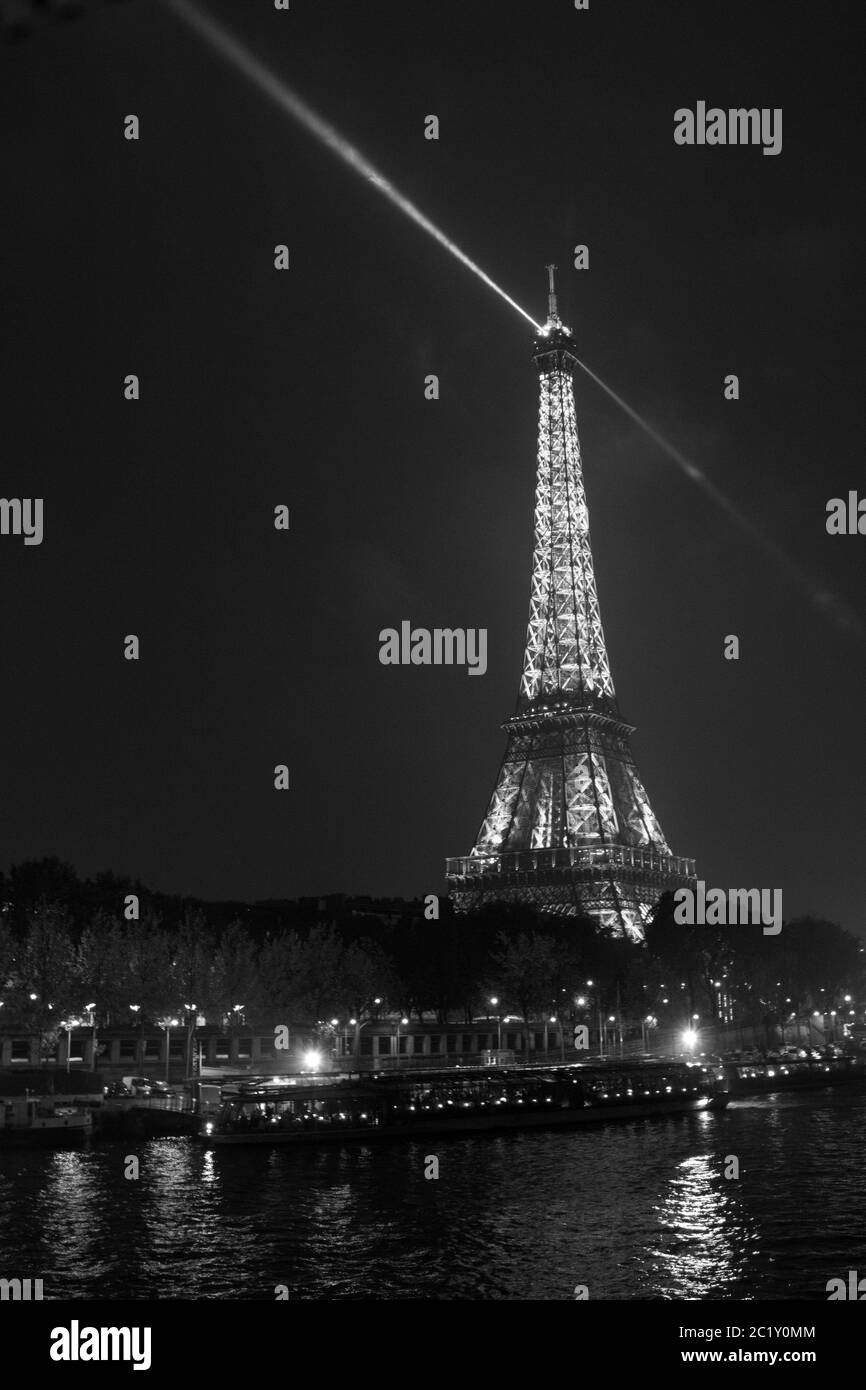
{"x": 365, "y": 976}
{"x": 37, "y": 881}
{"x": 234, "y": 971}
{"x": 278, "y": 980}
{"x": 7, "y": 957}
{"x": 696, "y": 954}
{"x": 46, "y": 984}
{"x": 319, "y": 966}
{"x": 191, "y": 976}
{"x": 101, "y": 967}
{"x": 529, "y": 968}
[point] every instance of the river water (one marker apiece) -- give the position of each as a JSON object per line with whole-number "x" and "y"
{"x": 632, "y": 1210}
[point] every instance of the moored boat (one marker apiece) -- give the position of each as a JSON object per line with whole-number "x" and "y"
{"x": 793, "y": 1073}
{"x": 345, "y": 1109}
{"x": 39, "y": 1120}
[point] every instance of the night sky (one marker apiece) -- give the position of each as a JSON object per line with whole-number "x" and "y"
{"x": 306, "y": 388}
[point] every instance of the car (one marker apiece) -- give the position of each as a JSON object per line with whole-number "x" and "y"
{"x": 116, "y": 1090}
{"x": 138, "y": 1085}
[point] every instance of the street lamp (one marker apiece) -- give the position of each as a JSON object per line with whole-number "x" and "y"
{"x": 167, "y": 1024}
{"x": 358, "y": 1026}
{"x": 139, "y": 1047}
{"x": 494, "y": 1001}
{"x": 89, "y": 1008}
{"x": 553, "y": 1019}
{"x": 69, "y": 1024}
{"x": 191, "y": 1012}
{"x": 404, "y": 1021}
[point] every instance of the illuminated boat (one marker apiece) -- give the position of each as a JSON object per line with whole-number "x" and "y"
{"x": 405, "y": 1105}
{"x": 790, "y": 1074}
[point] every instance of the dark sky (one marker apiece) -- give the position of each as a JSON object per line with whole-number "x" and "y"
{"x": 306, "y": 387}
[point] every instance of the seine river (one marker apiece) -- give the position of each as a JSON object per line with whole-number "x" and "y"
{"x": 638, "y": 1210}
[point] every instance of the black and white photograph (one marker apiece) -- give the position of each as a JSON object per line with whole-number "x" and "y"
{"x": 432, "y": 545}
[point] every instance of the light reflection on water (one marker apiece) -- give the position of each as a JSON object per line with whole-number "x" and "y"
{"x": 702, "y": 1244}
{"x": 638, "y": 1210}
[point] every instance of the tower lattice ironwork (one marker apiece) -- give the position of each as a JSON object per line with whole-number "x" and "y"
{"x": 569, "y": 827}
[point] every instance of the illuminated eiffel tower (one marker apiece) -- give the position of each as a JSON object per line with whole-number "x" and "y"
{"x": 569, "y": 827}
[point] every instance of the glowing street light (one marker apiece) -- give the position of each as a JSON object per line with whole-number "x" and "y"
{"x": 494, "y": 999}
{"x": 90, "y": 1008}
{"x": 167, "y": 1024}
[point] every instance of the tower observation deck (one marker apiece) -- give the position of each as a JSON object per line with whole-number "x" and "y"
{"x": 569, "y": 827}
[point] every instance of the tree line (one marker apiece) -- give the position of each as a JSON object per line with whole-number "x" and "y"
{"x": 66, "y": 951}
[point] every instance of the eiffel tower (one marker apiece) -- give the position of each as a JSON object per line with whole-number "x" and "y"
{"x": 569, "y": 827}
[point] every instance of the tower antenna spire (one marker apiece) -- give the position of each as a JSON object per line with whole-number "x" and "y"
{"x": 552, "y": 313}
